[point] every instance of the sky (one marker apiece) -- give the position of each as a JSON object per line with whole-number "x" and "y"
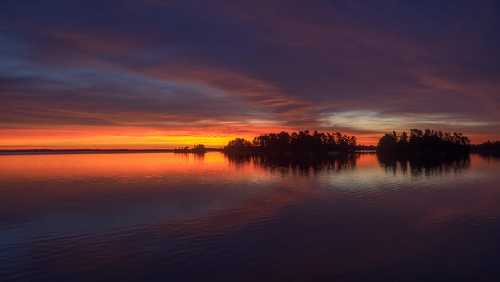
{"x": 167, "y": 73}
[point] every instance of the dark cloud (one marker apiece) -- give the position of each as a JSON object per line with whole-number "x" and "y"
{"x": 292, "y": 63}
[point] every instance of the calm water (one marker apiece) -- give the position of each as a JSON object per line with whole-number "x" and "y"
{"x": 173, "y": 217}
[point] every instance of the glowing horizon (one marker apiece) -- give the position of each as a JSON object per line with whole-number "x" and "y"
{"x": 157, "y": 141}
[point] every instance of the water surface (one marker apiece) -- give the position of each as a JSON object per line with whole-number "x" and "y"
{"x": 175, "y": 217}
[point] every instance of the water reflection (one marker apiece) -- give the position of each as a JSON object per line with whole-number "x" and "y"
{"x": 293, "y": 165}
{"x": 424, "y": 166}
{"x": 337, "y": 163}
{"x": 178, "y": 217}
{"x": 490, "y": 157}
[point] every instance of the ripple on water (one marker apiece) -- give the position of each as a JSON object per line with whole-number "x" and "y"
{"x": 159, "y": 216}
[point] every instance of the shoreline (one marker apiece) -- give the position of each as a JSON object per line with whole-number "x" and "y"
{"x": 114, "y": 151}
{"x": 97, "y": 151}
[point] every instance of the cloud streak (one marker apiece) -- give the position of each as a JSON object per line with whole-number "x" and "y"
{"x": 239, "y": 67}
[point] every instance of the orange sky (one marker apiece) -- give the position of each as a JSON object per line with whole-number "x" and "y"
{"x": 138, "y": 138}
{"x": 105, "y": 138}
{"x": 117, "y": 137}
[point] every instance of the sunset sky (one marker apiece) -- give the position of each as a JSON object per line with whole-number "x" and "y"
{"x": 166, "y": 73}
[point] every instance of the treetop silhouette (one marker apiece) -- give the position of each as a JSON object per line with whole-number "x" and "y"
{"x": 301, "y": 142}
{"x": 426, "y": 141}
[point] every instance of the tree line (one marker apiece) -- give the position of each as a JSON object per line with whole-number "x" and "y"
{"x": 196, "y": 149}
{"x": 423, "y": 141}
{"x": 488, "y": 148}
{"x": 294, "y": 143}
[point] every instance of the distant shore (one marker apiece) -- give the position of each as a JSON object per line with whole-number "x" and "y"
{"x": 95, "y": 151}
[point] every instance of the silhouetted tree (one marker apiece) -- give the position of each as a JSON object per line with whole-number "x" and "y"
{"x": 238, "y": 145}
{"x": 427, "y": 141}
{"x": 488, "y": 148}
{"x": 388, "y": 142}
{"x": 199, "y": 148}
{"x": 295, "y": 143}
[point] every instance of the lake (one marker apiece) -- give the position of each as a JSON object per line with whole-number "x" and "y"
{"x": 185, "y": 217}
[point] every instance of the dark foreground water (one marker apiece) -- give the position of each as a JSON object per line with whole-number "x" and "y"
{"x": 173, "y": 217}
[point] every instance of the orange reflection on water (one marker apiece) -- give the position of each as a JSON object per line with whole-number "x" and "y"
{"x": 126, "y": 165}
{"x": 367, "y": 160}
